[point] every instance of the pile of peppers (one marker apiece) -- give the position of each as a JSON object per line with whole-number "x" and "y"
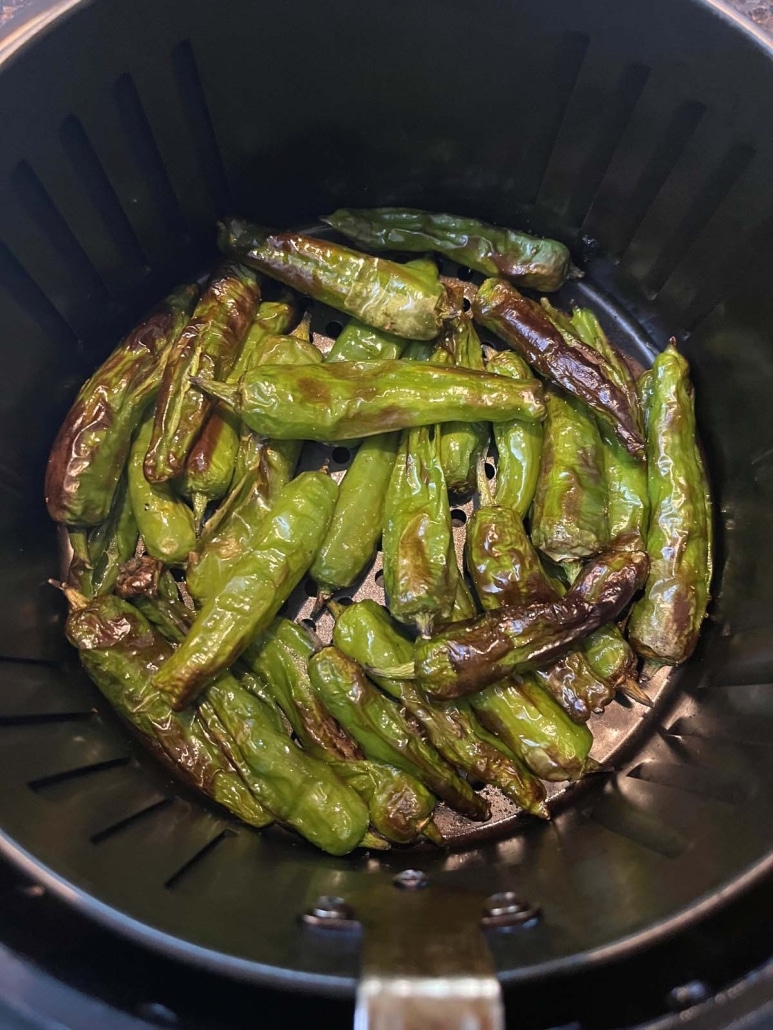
{"x": 189, "y": 527}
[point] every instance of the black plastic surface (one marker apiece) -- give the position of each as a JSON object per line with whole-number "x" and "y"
{"x": 641, "y": 135}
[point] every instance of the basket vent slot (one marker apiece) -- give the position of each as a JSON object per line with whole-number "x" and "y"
{"x": 81, "y": 772}
{"x": 129, "y": 820}
{"x": 692, "y": 779}
{"x": 195, "y": 861}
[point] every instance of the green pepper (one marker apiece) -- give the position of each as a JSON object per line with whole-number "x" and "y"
{"x": 164, "y": 520}
{"x": 519, "y": 444}
{"x": 463, "y": 443}
{"x": 113, "y": 542}
{"x": 471, "y": 655}
{"x": 560, "y": 357}
{"x": 420, "y": 571}
{"x": 208, "y": 346}
{"x": 532, "y": 261}
{"x": 298, "y": 790}
{"x": 612, "y": 659}
{"x": 569, "y": 516}
{"x": 255, "y": 588}
{"x": 92, "y": 445}
{"x": 530, "y": 723}
{"x": 120, "y": 651}
{"x": 383, "y": 733}
{"x": 232, "y": 530}
{"x": 346, "y": 399}
{"x": 383, "y": 294}
{"x": 79, "y": 571}
{"x": 400, "y": 806}
{"x": 364, "y": 632}
{"x": 355, "y": 530}
{"x": 666, "y": 622}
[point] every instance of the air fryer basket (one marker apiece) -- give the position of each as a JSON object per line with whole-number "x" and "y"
{"x": 640, "y": 134}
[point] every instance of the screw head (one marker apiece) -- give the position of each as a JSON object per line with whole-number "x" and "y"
{"x": 411, "y": 880}
{"x": 327, "y": 906}
{"x": 505, "y": 909}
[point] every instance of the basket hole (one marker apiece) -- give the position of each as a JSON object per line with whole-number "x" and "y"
{"x": 333, "y": 329}
{"x": 345, "y": 601}
{"x": 341, "y": 455}
{"x": 466, "y": 304}
{"x": 378, "y": 579}
{"x": 309, "y": 624}
{"x": 458, "y": 518}
{"x": 490, "y": 470}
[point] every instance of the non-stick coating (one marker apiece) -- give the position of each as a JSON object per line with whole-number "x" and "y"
{"x": 641, "y": 135}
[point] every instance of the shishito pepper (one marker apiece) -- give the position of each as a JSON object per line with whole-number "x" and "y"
{"x": 231, "y": 530}
{"x": 296, "y": 788}
{"x": 255, "y": 588}
{"x": 364, "y": 632}
{"x": 420, "y": 572}
{"x": 519, "y": 444}
{"x": 573, "y": 366}
{"x": 463, "y": 443}
{"x": 121, "y": 651}
{"x": 346, "y": 399}
{"x": 400, "y": 806}
{"x": 469, "y": 656}
{"x": 208, "y": 346}
{"x": 383, "y": 294}
{"x": 112, "y": 542}
{"x": 355, "y": 529}
{"x": 541, "y": 264}
{"x": 91, "y": 447}
{"x": 383, "y": 733}
{"x": 164, "y": 520}
{"x": 666, "y": 622}
{"x": 569, "y": 517}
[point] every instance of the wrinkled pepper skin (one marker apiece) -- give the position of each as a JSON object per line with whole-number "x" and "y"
{"x": 298, "y": 790}
{"x": 540, "y": 264}
{"x": 463, "y": 443}
{"x": 231, "y": 531}
{"x": 208, "y": 346}
{"x": 355, "y": 529}
{"x": 576, "y": 368}
{"x": 383, "y": 294}
{"x": 400, "y": 807}
{"x": 364, "y": 632}
{"x": 530, "y": 723}
{"x": 626, "y": 477}
{"x": 472, "y": 655}
{"x": 611, "y": 656}
{"x": 164, "y": 520}
{"x": 519, "y": 444}
{"x": 666, "y": 622}
{"x": 120, "y": 651}
{"x": 256, "y": 587}
{"x": 420, "y": 571}
{"x": 113, "y": 542}
{"x": 569, "y": 517}
{"x": 92, "y": 445}
{"x": 346, "y": 399}
{"x": 383, "y": 733}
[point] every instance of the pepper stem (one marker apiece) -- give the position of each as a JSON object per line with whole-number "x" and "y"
{"x": 484, "y": 488}
{"x": 407, "y": 671}
{"x": 75, "y": 598}
{"x": 224, "y": 392}
{"x": 433, "y": 834}
{"x": 632, "y": 689}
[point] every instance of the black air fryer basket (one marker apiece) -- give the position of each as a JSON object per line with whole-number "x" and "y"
{"x": 641, "y": 135}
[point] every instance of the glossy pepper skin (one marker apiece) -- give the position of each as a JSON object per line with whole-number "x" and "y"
{"x": 298, "y": 790}
{"x": 471, "y": 655}
{"x": 576, "y": 368}
{"x": 400, "y": 806}
{"x": 463, "y": 443}
{"x": 364, "y": 632}
{"x": 383, "y": 733}
{"x": 113, "y": 542}
{"x": 208, "y": 345}
{"x": 383, "y": 294}
{"x": 121, "y": 651}
{"x": 530, "y": 723}
{"x": 569, "y": 517}
{"x": 346, "y": 399}
{"x": 355, "y": 529}
{"x": 164, "y": 520}
{"x": 540, "y": 264}
{"x": 420, "y": 571}
{"x": 230, "y": 532}
{"x": 665, "y": 623}
{"x": 91, "y": 447}
{"x": 519, "y": 444}
{"x": 256, "y": 587}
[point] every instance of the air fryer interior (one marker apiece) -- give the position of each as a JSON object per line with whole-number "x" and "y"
{"x": 641, "y": 136}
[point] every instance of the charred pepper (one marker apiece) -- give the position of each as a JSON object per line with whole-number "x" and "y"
{"x": 463, "y": 443}
{"x": 532, "y": 261}
{"x": 519, "y": 444}
{"x": 92, "y": 445}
